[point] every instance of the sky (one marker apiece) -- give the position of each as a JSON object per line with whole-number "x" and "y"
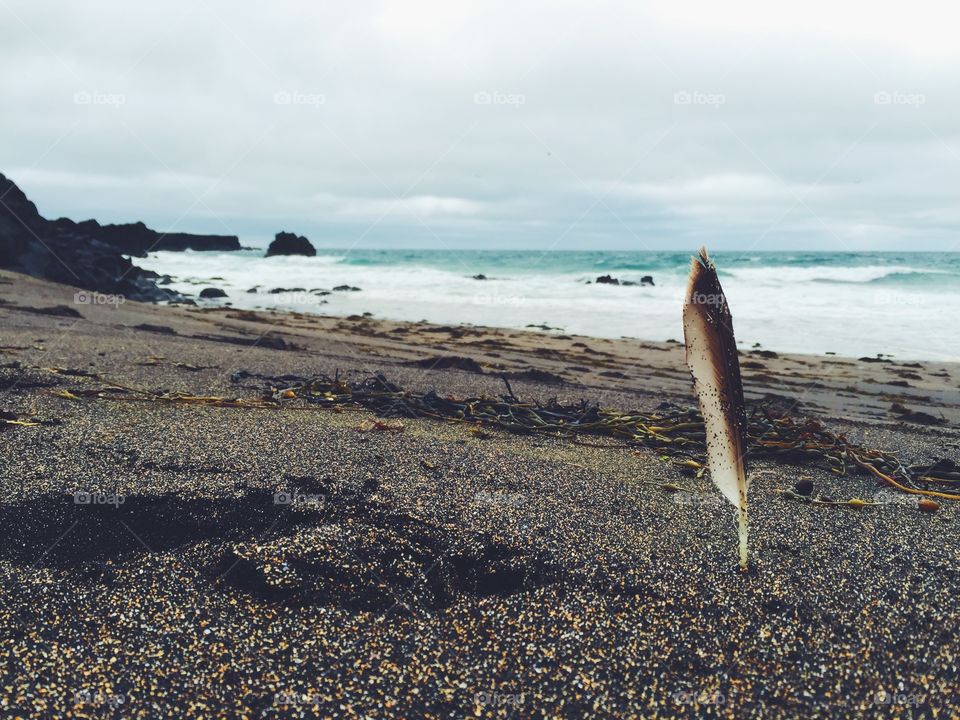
{"x": 547, "y": 125}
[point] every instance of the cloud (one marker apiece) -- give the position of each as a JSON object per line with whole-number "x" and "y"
{"x": 491, "y": 124}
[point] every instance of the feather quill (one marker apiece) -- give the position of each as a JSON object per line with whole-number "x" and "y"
{"x": 713, "y": 362}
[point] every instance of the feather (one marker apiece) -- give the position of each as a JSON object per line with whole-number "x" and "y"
{"x": 713, "y": 362}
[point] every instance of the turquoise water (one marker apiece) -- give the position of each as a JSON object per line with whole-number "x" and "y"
{"x": 848, "y": 303}
{"x": 940, "y": 265}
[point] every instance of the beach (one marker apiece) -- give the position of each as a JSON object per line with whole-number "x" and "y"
{"x": 189, "y": 560}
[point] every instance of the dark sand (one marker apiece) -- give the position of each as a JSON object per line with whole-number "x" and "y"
{"x": 433, "y": 573}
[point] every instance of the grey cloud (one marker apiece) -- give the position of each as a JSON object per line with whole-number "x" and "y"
{"x": 485, "y": 125}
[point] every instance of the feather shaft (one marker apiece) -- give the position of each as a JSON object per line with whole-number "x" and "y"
{"x": 713, "y": 361}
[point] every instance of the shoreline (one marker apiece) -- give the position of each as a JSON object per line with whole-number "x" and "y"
{"x": 429, "y": 570}
{"x": 852, "y": 308}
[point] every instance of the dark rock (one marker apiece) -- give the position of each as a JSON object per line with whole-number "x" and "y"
{"x": 212, "y": 292}
{"x": 803, "y": 487}
{"x": 646, "y": 280}
{"x": 276, "y": 291}
{"x": 916, "y": 416}
{"x": 55, "y": 310}
{"x": 162, "y": 329}
{"x": 253, "y": 289}
{"x": 448, "y": 362}
{"x": 137, "y": 239}
{"x": 346, "y": 288}
{"x": 480, "y": 276}
{"x": 607, "y": 280}
{"x": 285, "y": 243}
{"x": 536, "y": 375}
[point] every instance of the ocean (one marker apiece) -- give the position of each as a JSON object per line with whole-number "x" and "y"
{"x": 855, "y": 304}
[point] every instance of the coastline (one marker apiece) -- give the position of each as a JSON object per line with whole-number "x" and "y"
{"x": 503, "y": 576}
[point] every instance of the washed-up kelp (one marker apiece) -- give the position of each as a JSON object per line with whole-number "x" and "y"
{"x": 672, "y": 431}
{"x": 677, "y": 432}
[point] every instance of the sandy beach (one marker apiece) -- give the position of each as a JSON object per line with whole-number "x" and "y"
{"x": 428, "y": 570}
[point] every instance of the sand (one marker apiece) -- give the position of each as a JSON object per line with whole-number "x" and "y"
{"x": 433, "y": 572}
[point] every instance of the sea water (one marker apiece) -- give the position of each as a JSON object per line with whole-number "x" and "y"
{"x": 854, "y": 304}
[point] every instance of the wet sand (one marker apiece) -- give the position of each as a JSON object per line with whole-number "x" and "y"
{"x": 229, "y": 562}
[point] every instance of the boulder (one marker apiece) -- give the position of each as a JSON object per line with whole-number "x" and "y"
{"x": 646, "y": 280}
{"x": 212, "y": 292}
{"x": 285, "y": 243}
{"x": 607, "y": 280}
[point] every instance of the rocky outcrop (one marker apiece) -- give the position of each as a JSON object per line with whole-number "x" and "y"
{"x": 285, "y": 243}
{"x": 138, "y": 240}
{"x": 62, "y": 251}
{"x": 609, "y": 280}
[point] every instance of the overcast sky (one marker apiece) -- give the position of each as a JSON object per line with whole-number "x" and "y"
{"x": 615, "y": 125}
